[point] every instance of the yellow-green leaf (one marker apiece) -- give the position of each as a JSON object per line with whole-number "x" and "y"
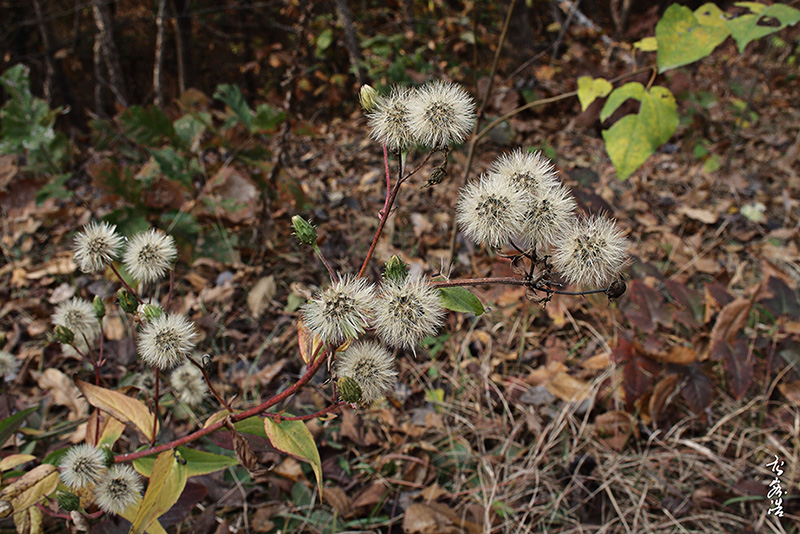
{"x": 748, "y": 28}
{"x": 29, "y": 521}
{"x": 31, "y": 487}
{"x": 163, "y": 490}
{"x": 124, "y": 408}
{"x": 633, "y": 138}
{"x": 13, "y": 460}
{"x": 590, "y": 89}
{"x": 648, "y": 44}
{"x": 294, "y": 438}
{"x": 197, "y": 462}
{"x": 130, "y": 514}
{"x": 710, "y": 15}
{"x": 111, "y": 432}
{"x": 682, "y": 39}
{"x": 633, "y": 90}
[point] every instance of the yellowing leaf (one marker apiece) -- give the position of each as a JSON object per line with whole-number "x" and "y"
{"x": 293, "y": 437}
{"x": 13, "y": 460}
{"x": 111, "y": 432}
{"x": 31, "y": 487}
{"x": 164, "y": 489}
{"x": 309, "y": 343}
{"x": 710, "y": 15}
{"x": 29, "y": 521}
{"x": 748, "y": 28}
{"x": 682, "y": 39}
{"x": 590, "y": 89}
{"x": 648, "y": 44}
{"x": 634, "y": 138}
{"x": 130, "y": 514}
{"x": 126, "y": 409}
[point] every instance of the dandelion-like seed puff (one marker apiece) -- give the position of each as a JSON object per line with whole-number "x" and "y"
{"x": 389, "y": 120}
{"x": 441, "y": 114}
{"x": 165, "y": 341}
{"x": 549, "y": 215}
{"x": 96, "y": 246}
{"x": 150, "y": 255}
{"x": 187, "y": 381}
{"x": 371, "y": 365}
{"x": 491, "y": 210}
{"x": 119, "y": 489}
{"x": 407, "y": 311}
{"x": 341, "y": 312}
{"x": 82, "y": 466}
{"x": 8, "y": 366}
{"x": 529, "y": 171}
{"x": 591, "y": 252}
{"x": 78, "y": 315}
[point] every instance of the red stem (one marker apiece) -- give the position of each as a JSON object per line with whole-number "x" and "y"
{"x": 235, "y": 418}
{"x": 155, "y": 410}
{"x": 119, "y": 277}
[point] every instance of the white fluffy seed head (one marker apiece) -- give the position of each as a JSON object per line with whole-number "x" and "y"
{"x": 529, "y": 171}
{"x": 441, "y": 114}
{"x": 549, "y": 215}
{"x": 120, "y": 489}
{"x": 165, "y": 341}
{"x": 591, "y": 253}
{"x": 389, "y": 120}
{"x": 150, "y": 255}
{"x": 96, "y": 246}
{"x": 78, "y": 315}
{"x": 407, "y": 311}
{"x": 9, "y": 366}
{"x": 371, "y": 365}
{"x": 187, "y": 381}
{"x": 343, "y": 311}
{"x": 491, "y": 210}
{"x": 82, "y": 466}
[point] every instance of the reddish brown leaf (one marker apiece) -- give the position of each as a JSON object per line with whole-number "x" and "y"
{"x": 623, "y": 352}
{"x": 645, "y": 307}
{"x": 637, "y": 379}
{"x": 732, "y": 319}
{"x": 737, "y": 365}
{"x": 662, "y": 392}
{"x": 697, "y": 391}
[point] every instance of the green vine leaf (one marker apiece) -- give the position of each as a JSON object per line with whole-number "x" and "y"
{"x": 683, "y": 39}
{"x": 590, "y": 89}
{"x": 748, "y": 28}
{"x": 460, "y": 299}
{"x": 294, "y": 438}
{"x": 634, "y": 138}
{"x": 633, "y": 90}
{"x": 197, "y": 462}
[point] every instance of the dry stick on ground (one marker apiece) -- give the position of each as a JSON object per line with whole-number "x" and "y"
{"x": 158, "y": 64}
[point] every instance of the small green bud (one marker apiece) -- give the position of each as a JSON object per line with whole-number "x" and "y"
{"x": 367, "y": 97}
{"x": 304, "y": 231}
{"x": 99, "y": 307}
{"x": 395, "y": 270}
{"x": 109, "y": 456}
{"x": 349, "y": 390}
{"x": 151, "y": 311}
{"x": 127, "y": 301}
{"x": 68, "y": 501}
{"x": 64, "y": 335}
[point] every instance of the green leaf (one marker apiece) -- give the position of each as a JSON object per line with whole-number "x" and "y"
{"x": 710, "y": 15}
{"x": 234, "y": 99}
{"x": 267, "y": 118}
{"x": 633, "y": 90}
{"x": 682, "y": 39}
{"x": 748, "y": 28}
{"x": 648, "y": 44}
{"x": 324, "y": 41}
{"x": 590, "y": 89}
{"x": 163, "y": 490}
{"x": 190, "y": 127}
{"x": 460, "y": 299}
{"x": 9, "y": 425}
{"x": 146, "y": 126}
{"x": 54, "y": 188}
{"x": 294, "y": 438}
{"x": 197, "y": 462}
{"x": 634, "y": 138}
{"x": 173, "y": 165}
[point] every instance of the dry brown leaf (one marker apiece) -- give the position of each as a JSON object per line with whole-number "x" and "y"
{"x": 698, "y": 214}
{"x": 568, "y": 388}
{"x": 662, "y": 392}
{"x": 598, "y": 362}
{"x": 290, "y": 469}
{"x": 614, "y": 428}
{"x": 64, "y": 392}
{"x": 62, "y": 263}
{"x": 791, "y": 390}
{"x": 435, "y": 518}
{"x": 337, "y": 499}
{"x": 731, "y": 319}
{"x": 260, "y": 295}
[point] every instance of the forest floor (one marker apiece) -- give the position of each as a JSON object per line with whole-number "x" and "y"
{"x": 658, "y": 412}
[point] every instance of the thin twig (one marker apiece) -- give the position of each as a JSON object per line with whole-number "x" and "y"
{"x": 211, "y": 388}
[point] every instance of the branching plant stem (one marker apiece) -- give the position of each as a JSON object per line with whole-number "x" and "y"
{"x": 317, "y": 362}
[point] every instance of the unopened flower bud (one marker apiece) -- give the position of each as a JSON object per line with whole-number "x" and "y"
{"x": 349, "y": 390}
{"x": 395, "y": 270}
{"x": 437, "y": 175}
{"x": 99, "y": 307}
{"x": 68, "y": 501}
{"x": 616, "y": 289}
{"x": 108, "y": 454}
{"x": 150, "y": 311}
{"x": 127, "y": 301}
{"x": 305, "y": 231}
{"x": 64, "y": 335}
{"x": 367, "y": 97}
